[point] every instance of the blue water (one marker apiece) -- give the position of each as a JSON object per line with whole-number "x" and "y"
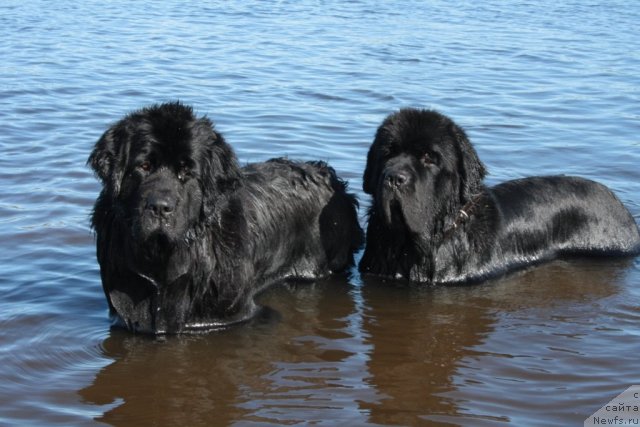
{"x": 541, "y": 88}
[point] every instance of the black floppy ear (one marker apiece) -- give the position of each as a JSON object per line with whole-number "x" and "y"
{"x": 471, "y": 170}
{"x": 220, "y": 169}
{"x": 374, "y": 158}
{"x": 370, "y": 172}
{"x": 104, "y": 159}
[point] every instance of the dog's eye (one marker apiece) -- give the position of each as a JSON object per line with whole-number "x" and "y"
{"x": 145, "y": 166}
{"x": 184, "y": 170}
{"x": 427, "y": 159}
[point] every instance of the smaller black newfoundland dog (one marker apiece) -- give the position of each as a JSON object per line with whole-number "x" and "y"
{"x": 186, "y": 237}
{"x": 433, "y": 220}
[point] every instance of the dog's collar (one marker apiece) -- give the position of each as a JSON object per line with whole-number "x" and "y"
{"x": 463, "y": 215}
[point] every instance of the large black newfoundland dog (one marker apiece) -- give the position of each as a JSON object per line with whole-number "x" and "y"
{"x": 186, "y": 237}
{"x": 433, "y": 220}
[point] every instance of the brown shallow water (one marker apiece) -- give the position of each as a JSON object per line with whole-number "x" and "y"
{"x": 547, "y": 346}
{"x": 541, "y": 88}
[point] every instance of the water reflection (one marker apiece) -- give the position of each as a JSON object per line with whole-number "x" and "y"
{"x": 300, "y": 360}
{"x": 430, "y": 357}
{"x": 418, "y": 338}
{"x": 154, "y": 382}
{"x": 367, "y": 354}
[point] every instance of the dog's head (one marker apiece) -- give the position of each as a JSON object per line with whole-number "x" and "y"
{"x": 163, "y": 171}
{"x": 420, "y": 167}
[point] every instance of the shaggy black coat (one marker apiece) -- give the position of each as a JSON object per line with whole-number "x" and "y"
{"x": 186, "y": 238}
{"x": 433, "y": 220}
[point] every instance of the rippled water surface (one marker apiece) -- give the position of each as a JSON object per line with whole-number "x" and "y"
{"x": 543, "y": 87}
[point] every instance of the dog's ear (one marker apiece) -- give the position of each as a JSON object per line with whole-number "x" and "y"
{"x": 220, "y": 170}
{"x": 105, "y": 159}
{"x": 374, "y": 160}
{"x": 470, "y": 169}
{"x": 368, "y": 179}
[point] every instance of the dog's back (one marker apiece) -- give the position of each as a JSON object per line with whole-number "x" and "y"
{"x": 301, "y": 209}
{"x": 565, "y": 215}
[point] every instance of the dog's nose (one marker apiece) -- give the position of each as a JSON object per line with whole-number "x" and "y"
{"x": 396, "y": 179}
{"x": 160, "y": 205}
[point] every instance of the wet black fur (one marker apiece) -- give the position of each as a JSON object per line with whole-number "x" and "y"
{"x": 422, "y": 171}
{"x": 186, "y": 237}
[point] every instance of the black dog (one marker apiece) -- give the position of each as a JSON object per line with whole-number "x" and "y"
{"x": 433, "y": 220}
{"x": 186, "y": 238}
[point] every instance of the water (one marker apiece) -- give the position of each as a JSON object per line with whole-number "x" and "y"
{"x": 542, "y": 87}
